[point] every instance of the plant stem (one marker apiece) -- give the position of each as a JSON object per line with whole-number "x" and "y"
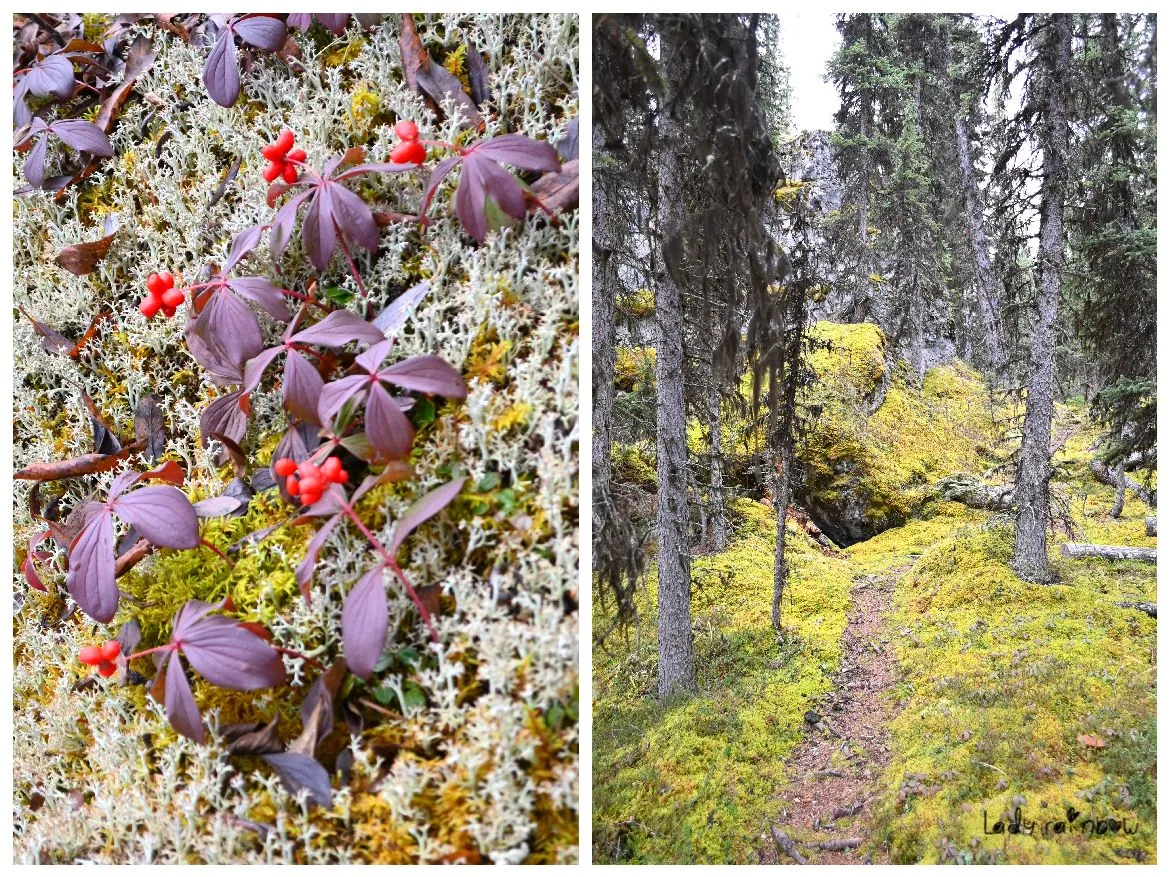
{"x": 349, "y": 258}
{"x": 390, "y": 562}
{"x": 165, "y": 647}
{"x": 226, "y": 559}
{"x": 293, "y": 653}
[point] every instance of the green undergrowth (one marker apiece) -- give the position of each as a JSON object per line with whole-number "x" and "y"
{"x": 694, "y": 779}
{"x": 999, "y": 677}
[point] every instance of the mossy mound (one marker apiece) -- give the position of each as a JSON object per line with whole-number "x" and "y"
{"x": 868, "y": 472}
{"x": 694, "y": 779}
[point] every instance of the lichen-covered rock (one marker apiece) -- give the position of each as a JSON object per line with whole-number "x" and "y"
{"x": 480, "y": 764}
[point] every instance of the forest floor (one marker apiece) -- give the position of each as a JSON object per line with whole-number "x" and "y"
{"x": 946, "y": 677}
{"x": 846, "y": 746}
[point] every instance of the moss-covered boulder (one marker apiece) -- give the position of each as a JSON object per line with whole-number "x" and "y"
{"x": 866, "y": 472}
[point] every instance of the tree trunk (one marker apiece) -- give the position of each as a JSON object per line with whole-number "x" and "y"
{"x": 986, "y": 286}
{"x": 1117, "y": 478}
{"x": 1119, "y": 498}
{"x": 1109, "y": 552}
{"x": 603, "y": 340}
{"x": 1151, "y": 526}
{"x": 1030, "y": 558}
{"x": 675, "y": 662}
{"x": 718, "y": 501}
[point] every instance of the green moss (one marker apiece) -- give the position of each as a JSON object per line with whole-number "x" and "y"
{"x": 695, "y": 779}
{"x": 635, "y": 463}
{"x": 999, "y": 677}
{"x": 634, "y": 369}
{"x": 637, "y": 304}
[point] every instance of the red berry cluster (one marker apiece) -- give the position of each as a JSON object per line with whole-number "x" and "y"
{"x": 409, "y": 151}
{"x": 281, "y": 161}
{"x": 308, "y": 480}
{"x": 101, "y": 657}
{"x": 162, "y": 295}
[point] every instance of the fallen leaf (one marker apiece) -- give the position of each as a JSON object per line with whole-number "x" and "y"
{"x": 433, "y": 81}
{"x": 86, "y": 464}
{"x": 81, "y": 259}
{"x": 148, "y": 427}
{"x": 558, "y": 191}
{"x": 257, "y": 741}
{"x": 1091, "y": 740}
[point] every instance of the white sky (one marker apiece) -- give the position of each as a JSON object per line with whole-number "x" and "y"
{"x": 807, "y": 40}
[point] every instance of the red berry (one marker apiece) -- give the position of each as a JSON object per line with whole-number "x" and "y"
{"x": 149, "y": 306}
{"x": 273, "y": 170}
{"x": 111, "y": 650}
{"x": 166, "y": 279}
{"x": 90, "y": 655}
{"x": 312, "y": 483}
{"x": 107, "y": 669}
{"x": 330, "y": 468}
{"x": 168, "y": 311}
{"x": 342, "y": 477}
{"x": 172, "y": 298}
{"x": 284, "y": 467}
{"x": 297, "y": 155}
{"x": 293, "y": 485}
{"x": 406, "y": 130}
{"x": 409, "y": 152}
{"x": 155, "y": 284}
{"x": 290, "y": 173}
{"x": 309, "y": 497}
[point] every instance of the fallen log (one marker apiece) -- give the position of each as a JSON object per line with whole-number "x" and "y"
{"x": 1151, "y": 609}
{"x": 1114, "y": 479}
{"x": 1151, "y": 526}
{"x": 1109, "y": 552}
{"x": 785, "y": 844}
{"x": 836, "y": 846}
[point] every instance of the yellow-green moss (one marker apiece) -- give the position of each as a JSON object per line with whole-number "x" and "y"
{"x": 635, "y": 463}
{"x": 695, "y": 779}
{"x": 639, "y": 303}
{"x": 634, "y": 369}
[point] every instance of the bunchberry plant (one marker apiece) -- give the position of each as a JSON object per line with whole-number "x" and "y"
{"x": 269, "y": 324}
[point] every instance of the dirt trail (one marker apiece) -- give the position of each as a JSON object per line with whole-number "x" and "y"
{"x": 836, "y": 766}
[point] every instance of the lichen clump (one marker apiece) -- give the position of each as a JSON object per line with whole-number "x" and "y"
{"x": 479, "y": 762}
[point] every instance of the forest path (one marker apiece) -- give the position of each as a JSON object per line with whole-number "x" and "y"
{"x": 836, "y": 767}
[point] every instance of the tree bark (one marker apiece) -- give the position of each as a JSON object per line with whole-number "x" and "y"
{"x": 1151, "y": 526}
{"x": 1030, "y": 558}
{"x": 675, "y": 661}
{"x": 1109, "y": 552}
{"x": 1118, "y": 479}
{"x": 1119, "y": 498}
{"x": 603, "y": 340}
{"x": 986, "y": 286}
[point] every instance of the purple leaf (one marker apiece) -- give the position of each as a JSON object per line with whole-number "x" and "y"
{"x": 518, "y": 150}
{"x": 353, "y": 218}
{"x": 280, "y": 233}
{"x": 373, "y": 356}
{"x": 364, "y": 620}
{"x": 255, "y": 367}
{"x": 469, "y": 202}
{"x": 51, "y": 77}
{"x": 229, "y": 330}
{"x": 333, "y": 21}
{"x": 261, "y": 31}
{"x": 225, "y": 417}
{"x": 91, "y": 581}
{"x": 318, "y": 233}
{"x": 299, "y": 771}
{"x": 230, "y": 656}
{"x": 162, "y": 514}
{"x": 181, "y": 710}
{"x": 243, "y": 243}
{"x": 334, "y": 395}
{"x": 217, "y": 506}
{"x": 304, "y": 571}
{"x": 191, "y": 613}
{"x": 391, "y": 320}
{"x": 338, "y": 329}
{"x": 567, "y": 147}
{"x": 426, "y": 374}
{"x": 34, "y": 165}
{"x": 121, "y": 482}
{"x": 83, "y": 136}
{"x": 423, "y": 509}
{"x": 299, "y": 20}
{"x": 500, "y": 186}
{"x": 302, "y": 387}
{"x": 263, "y": 292}
{"x": 389, "y": 430}
{"x": 384, "y": 167}
{"x": 221, "y": 75}
{"x": 437, "y": 176}
{"x": 221, "y": 372}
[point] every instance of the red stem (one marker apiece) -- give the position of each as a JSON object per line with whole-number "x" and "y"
{"x": 292, "y": 653}
{"x": 165, "y": 647}
{"x": 226, "y": 559}
{"x": 389, "y": 561}
{"x": 349, "y": 258}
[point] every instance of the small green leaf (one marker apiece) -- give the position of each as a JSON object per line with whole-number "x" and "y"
{"x": 489, "y": 482}
{"x": 415, "y": 696}
{"x": 339, "y": 295}
{"x": 423, "y": 412}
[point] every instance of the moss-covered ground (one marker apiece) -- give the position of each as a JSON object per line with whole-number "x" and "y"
{"x": 997, "y": 678}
